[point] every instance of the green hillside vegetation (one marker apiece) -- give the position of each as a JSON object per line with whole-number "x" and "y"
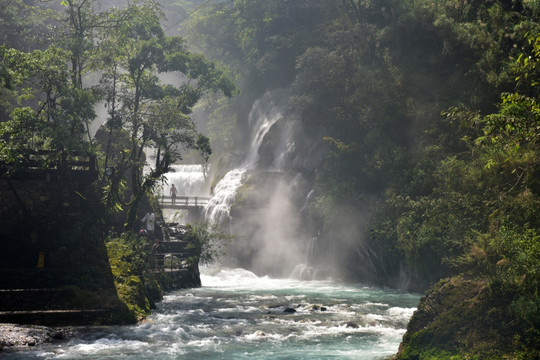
{"x": 429, "y": 111}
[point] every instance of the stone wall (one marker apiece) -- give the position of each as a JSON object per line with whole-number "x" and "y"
{"x": 31, "y": 213}
{"x": 52, "y": 243}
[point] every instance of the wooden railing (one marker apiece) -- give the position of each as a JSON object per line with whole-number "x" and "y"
{"x": 172, "y": 256}
{"x": 46, "y": 164}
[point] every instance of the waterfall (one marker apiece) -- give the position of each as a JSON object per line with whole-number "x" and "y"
{"x": 265, "y": 112}
{"x": 190, "y": 180}
{"x": 267, "y": 228}
{"x": 218, "y": 208}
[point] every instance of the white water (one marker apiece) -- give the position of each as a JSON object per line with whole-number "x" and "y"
{"x": 237, "y": 315}
{"x": 265, "y": 112}
{"x": 219, "y": 205}
{"x": 190, "y": 180}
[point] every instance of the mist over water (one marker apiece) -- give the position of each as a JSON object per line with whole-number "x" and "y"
{"x": 269, "y": 193}
{"x": 269, "y": 240}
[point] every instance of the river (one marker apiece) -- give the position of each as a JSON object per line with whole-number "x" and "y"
{"x": 237, "y": 315}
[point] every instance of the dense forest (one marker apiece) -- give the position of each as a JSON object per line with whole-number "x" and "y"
{"x": 425, "y": 116}
{"x": 428, "y": 115}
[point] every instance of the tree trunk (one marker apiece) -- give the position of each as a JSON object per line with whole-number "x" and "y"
{"x": 131, "y": 219}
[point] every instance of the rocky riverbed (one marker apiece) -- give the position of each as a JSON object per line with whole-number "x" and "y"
{"x": 29, "y": 335}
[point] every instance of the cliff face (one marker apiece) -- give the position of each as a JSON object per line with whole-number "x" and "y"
{"x": 461, "y": 319}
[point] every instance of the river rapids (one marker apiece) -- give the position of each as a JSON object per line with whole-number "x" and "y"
{"x": 237, "y": 315}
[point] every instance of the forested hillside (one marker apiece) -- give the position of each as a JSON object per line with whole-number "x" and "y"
{"x": 428, "y": 113}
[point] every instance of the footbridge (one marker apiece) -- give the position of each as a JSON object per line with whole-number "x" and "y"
{"x": 183, "y": 202}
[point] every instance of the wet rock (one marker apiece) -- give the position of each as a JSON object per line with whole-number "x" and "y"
{"x": 58, "y": 335}
{"x": 351, "y": 325}
{"x": 468, "y": 318}
{"x": 317, "y": 308}
{"x": 29, "y": 335}
{"x": 289, "y": 310}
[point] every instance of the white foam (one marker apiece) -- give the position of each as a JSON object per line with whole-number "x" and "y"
{"x": 106, "y": 347}
{"x": 401, "y": 313}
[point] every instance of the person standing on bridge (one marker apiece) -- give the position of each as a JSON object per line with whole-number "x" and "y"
{"x": 173, "y": 194}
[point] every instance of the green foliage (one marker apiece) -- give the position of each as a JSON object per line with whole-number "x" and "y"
{"x": 129, "y": 257}
{"x": 23, "y": 24}
{"x": 209, "y": 241}
{"x": 467, "y": 319}
{"x": 150, "y": 113}
{"x": 497, "y": 187}
{"x": 259, "y": 41}
{"x": 58, "y": 120}
{"x": 50, "y": 108}
{"x": 370, "y": 80}
{"x": 437, "y": 195}
{"x": 519, "y": 270}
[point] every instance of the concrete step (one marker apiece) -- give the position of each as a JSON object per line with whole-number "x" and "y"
{"x": 35, "y": 299}
{"x": 57, "y": 317}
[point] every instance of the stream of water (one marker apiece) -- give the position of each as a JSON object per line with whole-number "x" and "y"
{"x": 237, "y": 315}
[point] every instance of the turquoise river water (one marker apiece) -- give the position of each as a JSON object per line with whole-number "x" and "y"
{"x": 237, "y": 315}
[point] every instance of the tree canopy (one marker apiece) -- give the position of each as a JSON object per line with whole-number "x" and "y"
{"x": 149, "y": 83}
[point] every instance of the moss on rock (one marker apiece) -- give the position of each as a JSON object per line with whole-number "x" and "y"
{"x": 465, "y": 319}
{"x": 137, "y": 288}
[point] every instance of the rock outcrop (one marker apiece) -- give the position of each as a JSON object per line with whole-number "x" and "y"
{"x": 465, "y": 318}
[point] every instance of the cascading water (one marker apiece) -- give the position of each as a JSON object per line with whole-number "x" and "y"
{"x": 218, "y": 209}
{"x": 268, "y": 232}
{"x": 189, "y": 180}
{"x": 264, "y": 114}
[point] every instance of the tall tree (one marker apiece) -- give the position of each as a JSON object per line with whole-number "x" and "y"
{"x": 151, "y": 83}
